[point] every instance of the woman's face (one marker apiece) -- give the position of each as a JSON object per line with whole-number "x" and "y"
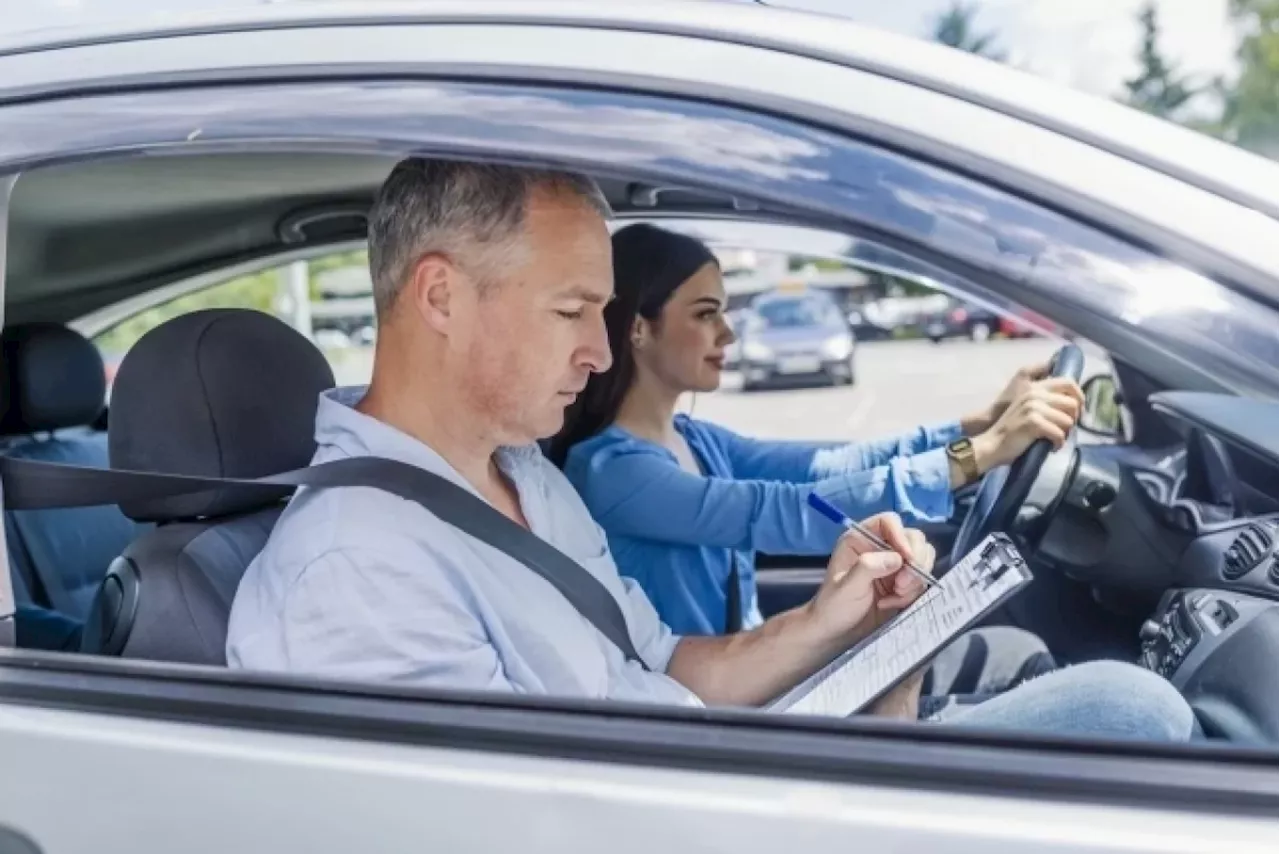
{"x": 685, "y": 348}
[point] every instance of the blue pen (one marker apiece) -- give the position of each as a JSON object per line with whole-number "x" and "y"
{"x": 832, "y": 512}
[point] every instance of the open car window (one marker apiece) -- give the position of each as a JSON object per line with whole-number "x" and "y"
{"x": 328, "y": 298}
{"x": 906, "y": 354}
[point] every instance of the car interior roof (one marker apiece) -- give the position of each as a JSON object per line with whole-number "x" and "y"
{"x": 86, "y": 235}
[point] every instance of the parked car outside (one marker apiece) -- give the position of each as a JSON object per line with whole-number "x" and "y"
{"x": 796, "y": 336}
{"x": 960, "y": 320}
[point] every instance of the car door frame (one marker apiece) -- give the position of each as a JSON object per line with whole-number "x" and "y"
{"x": 8, "y": 627}
{"x": 852, "y": 104}
{"x": 69, "y": 695}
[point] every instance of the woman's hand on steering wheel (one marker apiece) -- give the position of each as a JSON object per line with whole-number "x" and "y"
{"x": 1044, "y": 409}
{"x": 1038, "y": 420}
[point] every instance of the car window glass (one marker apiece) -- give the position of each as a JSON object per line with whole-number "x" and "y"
{"x": 1089, "y": 274}
{"x": 917, "y": 355}
{"x": 335, "y": 311}
{"x": 920, "y": 356}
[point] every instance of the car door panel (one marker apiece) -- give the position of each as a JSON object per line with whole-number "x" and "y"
{"x": 207, "y": 790}
{"x": 209, "y": 766}
{"x": 177, "y": 767}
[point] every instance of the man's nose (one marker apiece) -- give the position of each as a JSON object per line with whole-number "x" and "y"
{"x": 595, "y": 350}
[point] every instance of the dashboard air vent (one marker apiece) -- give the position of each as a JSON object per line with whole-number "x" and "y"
{"x": 1249, "y": 550}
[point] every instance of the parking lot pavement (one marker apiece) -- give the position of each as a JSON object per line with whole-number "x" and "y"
{"x": 900, "y": 385}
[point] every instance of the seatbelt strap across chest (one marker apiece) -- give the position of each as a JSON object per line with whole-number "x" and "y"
{"x": 30, "y": 484}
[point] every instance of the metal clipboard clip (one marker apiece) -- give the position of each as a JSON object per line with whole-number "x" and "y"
{"x": 997, "y": 558}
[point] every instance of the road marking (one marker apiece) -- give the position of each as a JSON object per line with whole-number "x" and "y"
{"x": 861, "y": 410}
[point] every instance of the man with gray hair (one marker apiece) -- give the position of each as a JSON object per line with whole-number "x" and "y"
{"x": 490, "y": 284}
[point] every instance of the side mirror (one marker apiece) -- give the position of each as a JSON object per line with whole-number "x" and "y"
{"x": 1102, "y": 414}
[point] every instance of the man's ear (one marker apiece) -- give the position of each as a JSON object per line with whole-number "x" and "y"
{"x": 433, "y": 287}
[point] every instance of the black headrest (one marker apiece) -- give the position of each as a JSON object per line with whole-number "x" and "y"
{"x": 51, "y": 377}
{"x": 215, "y": 393}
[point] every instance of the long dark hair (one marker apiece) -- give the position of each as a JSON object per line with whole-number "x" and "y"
{"x": 649, "y": 264}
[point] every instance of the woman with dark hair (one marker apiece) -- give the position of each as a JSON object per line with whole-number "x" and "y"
{"x": 686, "y": 504}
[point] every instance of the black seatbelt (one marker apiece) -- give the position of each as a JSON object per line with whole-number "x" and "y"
{"x": 29, "y": 484}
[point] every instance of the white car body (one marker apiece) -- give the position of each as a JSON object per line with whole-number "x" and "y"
{"x": 145, "y": 758}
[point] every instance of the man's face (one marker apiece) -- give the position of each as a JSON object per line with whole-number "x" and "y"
{"x": 537, "y": 332}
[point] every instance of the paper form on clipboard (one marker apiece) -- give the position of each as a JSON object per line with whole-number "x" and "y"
{"x": 986, "y": 577}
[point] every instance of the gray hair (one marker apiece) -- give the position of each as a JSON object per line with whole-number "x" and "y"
{"x": 446, "y": 206}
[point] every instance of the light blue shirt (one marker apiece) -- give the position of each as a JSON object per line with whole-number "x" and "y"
{"x": 358, "y": 583}
{"x": 678, "y": 534}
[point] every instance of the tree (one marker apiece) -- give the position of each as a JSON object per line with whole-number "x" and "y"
{"x": 955, "y": 28}
{"x": 257, "y": 291}
{"x": 1249, "y": 113}
{"x": 1158, "y": 87}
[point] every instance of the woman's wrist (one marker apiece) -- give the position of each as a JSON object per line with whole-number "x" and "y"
{"x": 977, "y": 423}
{"x": 985, "y": 449}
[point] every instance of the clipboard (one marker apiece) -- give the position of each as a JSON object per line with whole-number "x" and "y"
{"x": 982, "y": 581}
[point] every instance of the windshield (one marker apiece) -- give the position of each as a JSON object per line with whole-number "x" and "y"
{"x": 792, "y": 313}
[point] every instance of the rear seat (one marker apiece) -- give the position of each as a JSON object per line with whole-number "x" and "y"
{"x": 54, "y": 384}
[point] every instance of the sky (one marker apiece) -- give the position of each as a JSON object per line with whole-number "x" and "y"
{"x": 1087, "y": 44}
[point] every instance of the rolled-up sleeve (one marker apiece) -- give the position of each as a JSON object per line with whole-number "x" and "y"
{"x": 654, "y": 642}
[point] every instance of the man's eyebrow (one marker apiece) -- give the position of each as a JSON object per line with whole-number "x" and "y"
{"x": 586, "y": 295}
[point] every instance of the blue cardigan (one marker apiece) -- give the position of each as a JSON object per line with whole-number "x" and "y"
{"x": 676, "y": 533}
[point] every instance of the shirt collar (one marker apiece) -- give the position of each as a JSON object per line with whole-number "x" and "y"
{"x": 342, "y": 428}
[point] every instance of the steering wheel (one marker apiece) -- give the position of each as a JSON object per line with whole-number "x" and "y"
{"x": 1004, "y": 490}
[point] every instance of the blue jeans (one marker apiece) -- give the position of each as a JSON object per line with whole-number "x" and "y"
{"x": 1106, "y": 699}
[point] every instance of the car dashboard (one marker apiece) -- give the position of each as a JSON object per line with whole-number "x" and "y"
{"x": 1185, "y": 542}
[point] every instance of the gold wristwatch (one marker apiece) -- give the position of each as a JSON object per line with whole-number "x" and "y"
{"x": 961, "y": 450}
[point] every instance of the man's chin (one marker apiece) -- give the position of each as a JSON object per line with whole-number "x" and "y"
{"x": 554, "y": 424}
{"x": 542, "y": 428}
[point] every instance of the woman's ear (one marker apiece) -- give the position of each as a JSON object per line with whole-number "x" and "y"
{"x": 639, "y": 332}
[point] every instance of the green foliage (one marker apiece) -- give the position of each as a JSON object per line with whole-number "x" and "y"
{"x": 796, "y": 263}
{"x": 1249, "y": 115}
{"x": 955, "y": 28}
{"x": 1158, "y": 87}
{"x": 1244, "y": 109}
{"x": 257, "y": 291}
